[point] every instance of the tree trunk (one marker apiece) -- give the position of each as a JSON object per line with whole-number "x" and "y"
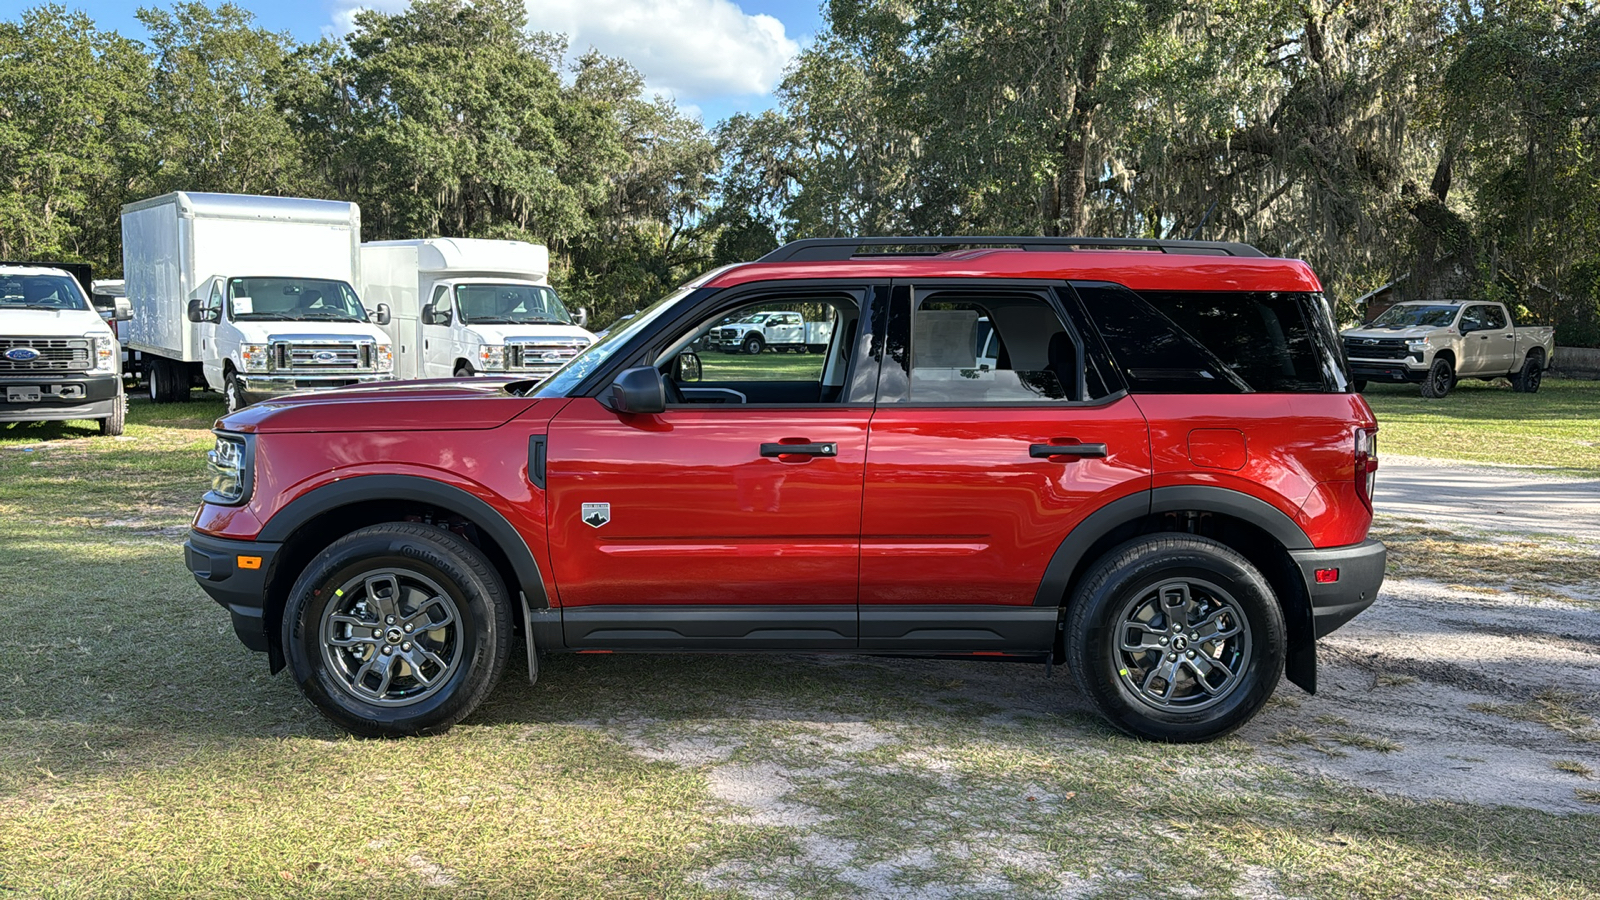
{"x": 1074, "y": 164}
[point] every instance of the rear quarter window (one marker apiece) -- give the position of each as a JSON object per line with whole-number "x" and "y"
{"x": 1209, "y": 342}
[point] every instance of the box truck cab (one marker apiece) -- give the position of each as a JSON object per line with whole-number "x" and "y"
{"x": 252, "y": 296}
{"x": 463, "y": 306}
{"x": 59, "y": 359}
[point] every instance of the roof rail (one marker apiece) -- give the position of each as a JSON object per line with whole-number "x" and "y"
{"x": 837, "y": 249}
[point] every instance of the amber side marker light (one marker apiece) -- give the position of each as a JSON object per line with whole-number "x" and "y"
{"x": 254, "y": 562}
{"x": 1327, "y": 576}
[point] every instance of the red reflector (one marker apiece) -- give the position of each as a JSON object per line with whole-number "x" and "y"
{"x": 1327, "y": 576}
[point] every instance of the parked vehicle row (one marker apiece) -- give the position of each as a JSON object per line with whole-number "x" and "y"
{"x": 1433, "y": 344}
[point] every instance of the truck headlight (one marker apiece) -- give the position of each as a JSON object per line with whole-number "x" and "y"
{"x": 385, "y": 357}
{"x": 1418, "y": 346}
{"x": 229, "y": 461}
{"x": 492, "y": 357}
{"x": 255, "y": 356}
{"x": 102, "y": 353}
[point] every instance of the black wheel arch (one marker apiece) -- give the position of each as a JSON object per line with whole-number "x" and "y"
{"x": 1255, "y": 529}
{"x": 314, "y": 520}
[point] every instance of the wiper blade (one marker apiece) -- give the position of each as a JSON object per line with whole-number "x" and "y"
{"x": 343, "y": 317}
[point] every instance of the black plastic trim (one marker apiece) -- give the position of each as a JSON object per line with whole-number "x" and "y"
{"x": 422, "y": 490}
{"x": 1259, "y": 513}
{"x": 719, "y": 627}
{"x": 536, "y": 459}
{"x": 242, "y": 592}
{"x": 1052, "y": 591}
{"x": 1361, "y": 570}
{"x": 838, "y": 249}
{"x": 957, "y": 629}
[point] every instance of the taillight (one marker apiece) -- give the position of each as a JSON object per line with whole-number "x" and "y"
{"x": 1366, "y": 463}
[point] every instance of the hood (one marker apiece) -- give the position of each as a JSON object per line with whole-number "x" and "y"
{"x": 441, "y": 404}
{"x": 260, "y": 332}
{"x": 51, "y": 323}
{"x": 501, "y": 334}
{"x": 1410, "y": 332}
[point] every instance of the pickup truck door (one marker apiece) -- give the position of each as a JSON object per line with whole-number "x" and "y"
{"x": 786, "y": 328}
{"x": 723, "y": 522}
{"x": 1501, "y": 346}
{"x": 1477, "y": 342}
{"x": 975, "y": 475}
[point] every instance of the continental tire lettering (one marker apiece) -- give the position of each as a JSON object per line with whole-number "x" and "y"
{"x": 423, "y": 554}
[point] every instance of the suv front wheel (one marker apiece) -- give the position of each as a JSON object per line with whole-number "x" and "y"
{"x": 397, "y": 629}
{"x": 1175, "y": 637}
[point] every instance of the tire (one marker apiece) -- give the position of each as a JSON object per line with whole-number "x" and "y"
{"x": 754, "y": 344}
{"x": 1360, "y": 385}
{"x": 1441, "y": 378}
{"x": 157, "y": 374}
{"x": 1130, "y": 585}
{"x": 464, "y": 371}
{"x": 348, "y": 612}
{"x": 233, "y": 392}
{"x": 1527, "y": 380}
{"x": 112, "y": 425}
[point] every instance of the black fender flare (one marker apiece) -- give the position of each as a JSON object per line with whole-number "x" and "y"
{"x": 364, "y": 488}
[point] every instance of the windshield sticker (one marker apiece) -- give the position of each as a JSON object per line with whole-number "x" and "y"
{"x": 243, "y": 306}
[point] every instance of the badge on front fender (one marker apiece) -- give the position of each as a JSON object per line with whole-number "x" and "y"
{"x": 596, "y": 514}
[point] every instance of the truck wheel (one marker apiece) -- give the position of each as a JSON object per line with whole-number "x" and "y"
{"x": 1360, "y": 385}
{"x": 156, "y": 375}
{"x": 397, "y": 629}
{"x": 754, "y": 344}
{"x": 1175, "y": 637}
{"x": 112, "y": 425}
{"x": 233, "y": 392}
{"x": 1528, "y": 380}
{"x": 1441, "y": 378}
{"x": 464, "y": 371}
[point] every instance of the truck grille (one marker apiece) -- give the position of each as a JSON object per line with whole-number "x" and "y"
{"x": 727, "y": 335}
{"x": 55, "y": 355}
{"x": 542, "y": 356}
{"x": 330, "y": 356}
{"x": 1375, "y": 348}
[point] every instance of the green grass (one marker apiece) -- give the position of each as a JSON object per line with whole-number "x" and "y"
{"x": 768, "y": 366}
{"x": 1558, "y": 427}
{"x": 145, "y": 753}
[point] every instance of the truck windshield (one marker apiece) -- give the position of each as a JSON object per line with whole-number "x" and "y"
{"x": 40, "y": 292}
{"x": 1405, "y": 314}
{"x": 293, "y": 300}
{"x": 510, "y": 304}
{"x": 568, "y": 376}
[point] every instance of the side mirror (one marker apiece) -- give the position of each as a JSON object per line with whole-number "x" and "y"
{"x": 433, "y": 316}
{"x": 197, "y": 312}
{"x": 639, "y": 391}
{"x": 581, "y": 317}
{"x": 381, "y": 316}
{"x": 123, "y": 310}
{"x": 686, "y": 367}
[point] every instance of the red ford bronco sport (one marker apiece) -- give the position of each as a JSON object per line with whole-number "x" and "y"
{"x": 1143, "y": 459}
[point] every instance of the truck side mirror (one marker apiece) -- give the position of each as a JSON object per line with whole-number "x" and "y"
{"x": 433, "y": 316}
{"x": 640, "y": 391}
{"x": 381, "y": 316}
{"x": 123, "y": 310}
{"x": 581, "y": 317}
{"x": 686, "y": 367}
{"x": 197, "y": 312}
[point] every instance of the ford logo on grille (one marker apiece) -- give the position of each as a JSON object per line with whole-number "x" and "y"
{"x": 22, "y": 354}
{"x": 326, "y": 356}
{"x": 551, "y": 355}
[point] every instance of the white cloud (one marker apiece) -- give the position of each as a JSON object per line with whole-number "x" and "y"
{"x": 690, "y": 49}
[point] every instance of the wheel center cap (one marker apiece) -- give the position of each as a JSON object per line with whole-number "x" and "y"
{"x": 1180, "y": 642}
{"x": 393, "y": 636}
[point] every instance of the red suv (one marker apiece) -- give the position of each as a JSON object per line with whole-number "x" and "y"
{"x": 1143, "y": 459}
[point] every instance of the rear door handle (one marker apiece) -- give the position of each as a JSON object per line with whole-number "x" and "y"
{"x": 823, "y": 449}
{"x": 1082, "y": 451}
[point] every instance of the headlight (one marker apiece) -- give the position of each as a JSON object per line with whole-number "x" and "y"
{"x": 102, "y": 353}
{"x": 1418, "y": 346}
{"x": 255, "y": 356}
{"x": 492, "y": 357}
{"x": 230, "y": 470}
{"x": 385, "y": 358}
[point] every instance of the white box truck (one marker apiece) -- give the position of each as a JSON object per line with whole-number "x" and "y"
{"x": 464, "y": 306}
{"x": 252, "y": 296}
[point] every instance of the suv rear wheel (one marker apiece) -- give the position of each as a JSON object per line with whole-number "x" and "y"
{"x": 1175, "y": 637}
{"x": 397, "y": 629}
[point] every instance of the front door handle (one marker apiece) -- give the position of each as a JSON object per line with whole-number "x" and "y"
{"x": 823, "y": 449}
{"x": 1081, "y": 451}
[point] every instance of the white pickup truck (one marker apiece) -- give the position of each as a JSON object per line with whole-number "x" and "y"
{"x": 1434, "y": 343}
{"x": 781, "y": 330}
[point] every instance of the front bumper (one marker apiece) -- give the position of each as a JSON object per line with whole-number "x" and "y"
{"x": 1360, "y": 569}
{"x": 1392, "y": 370}
{"x": 216, "y": 564}
{"x": 264, "y": 387}
{"x": 62, "y": 396}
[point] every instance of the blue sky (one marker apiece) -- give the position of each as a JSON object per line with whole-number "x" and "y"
{"x": 717, "y": 57}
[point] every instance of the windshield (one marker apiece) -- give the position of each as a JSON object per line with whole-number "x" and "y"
{"x": 758, "y": 318}
{"x": 1405, "y": 314}
{"x": 567, "y": 377}
{"x": 293, "y": 300}
{"x": 510, "y": 304}
{"x": 40, "y": 292}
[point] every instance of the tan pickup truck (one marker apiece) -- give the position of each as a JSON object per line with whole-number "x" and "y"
{"x": 1433, "y": 344}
